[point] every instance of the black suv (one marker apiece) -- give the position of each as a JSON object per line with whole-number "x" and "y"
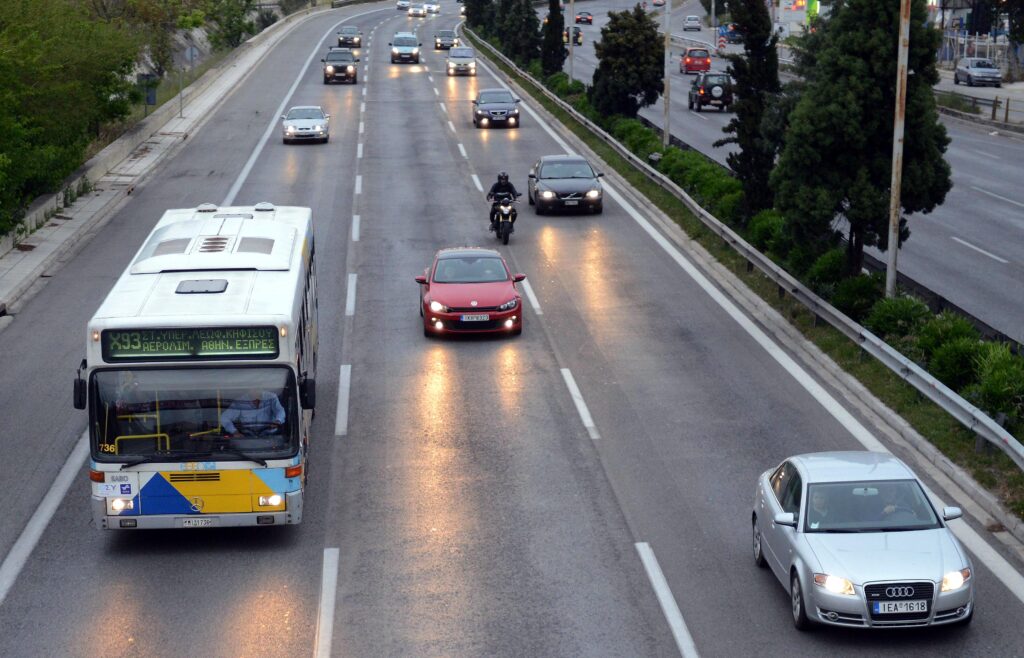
{"x": 711, "y": 89}
{"x": 350, "y": 37}
{"x": 340, "y": 66}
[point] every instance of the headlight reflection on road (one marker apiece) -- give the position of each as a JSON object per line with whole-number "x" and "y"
{"x": 267, "y": 614}
{"x": 508, "y": 379}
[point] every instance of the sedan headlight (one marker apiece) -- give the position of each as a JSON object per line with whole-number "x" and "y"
{"x": 394, "y": 51}
{"x": 955, "y": 580}
{"x": 289, "y": 129}
{"x": 330, "y": 69}
{"x": 547, "y": 194}
{"x": 834, "y": 584}
{"x": 415, "y": 51}
{"x": 451, "y": 65}
{"x": 350, "y": 69}
{"x": 509, "y": 305}
{"x": 438, "y": 307}
{"x": 593, "y": 194}
{"x": 318, "y": 127}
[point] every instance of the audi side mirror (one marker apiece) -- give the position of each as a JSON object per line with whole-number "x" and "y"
{"x": 950, "y": 513}
{"x": 786, "y": 519}
{"x": 519, "y": 277}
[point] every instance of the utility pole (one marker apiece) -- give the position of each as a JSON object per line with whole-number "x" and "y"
{"x": 897, "y": 148}
{"x": 667, "y": 93}
{"x": 572, "y": 40}
{"x": 714, "y": 21}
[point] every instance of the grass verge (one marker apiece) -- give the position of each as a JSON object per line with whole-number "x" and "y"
{"x": 990, "y": 467}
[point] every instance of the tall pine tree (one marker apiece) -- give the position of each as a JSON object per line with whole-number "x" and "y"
{"x": 552, "y": 51}
{"x": 631, "y": 64}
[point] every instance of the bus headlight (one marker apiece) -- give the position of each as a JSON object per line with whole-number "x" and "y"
{"x": 121, "y": 504}
{"x": 270, "y": 501}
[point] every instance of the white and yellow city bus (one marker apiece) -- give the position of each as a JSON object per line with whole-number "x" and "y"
{"x": 199, "y": 374}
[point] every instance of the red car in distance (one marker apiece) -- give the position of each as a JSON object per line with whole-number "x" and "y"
{"x": 584, "y": 17}
{"x": 470, "y": 290}
{"x": 695, "y": 60}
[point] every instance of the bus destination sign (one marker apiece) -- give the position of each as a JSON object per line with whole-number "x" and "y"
{"x": 191, "y": 343}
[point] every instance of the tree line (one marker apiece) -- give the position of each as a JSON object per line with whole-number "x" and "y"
{"x": 67, "y": 69}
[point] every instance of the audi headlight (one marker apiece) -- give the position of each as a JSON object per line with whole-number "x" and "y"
{"x": 593, "y": 194}
{"x": 438, "y": 307}
{"x": 509, "y": 305}
{"x": 547, "y": 194}
{"x": 955, "y": 580}
{"x": 834, "y": 584}
{"x": 330, "y": 69}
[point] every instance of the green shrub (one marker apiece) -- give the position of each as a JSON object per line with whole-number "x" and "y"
{"x": 764, "y": 228}
{"x": 943, "y": 328}
{"x": 729, "y": 207}
{"x": 558, "y": 83}
{"x": 535, "y": 70}
{"x": 1000, "y": 387}
{"x": 576, "y": 87}
{"x": 827, "y": 270}
{"x": 955, "y": 362}
{"x": 855, "y": 296}
{"x": 897, "y": 317}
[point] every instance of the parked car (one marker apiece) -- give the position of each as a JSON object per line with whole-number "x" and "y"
{"x": 711, "y": 89}
{"x": 692, "y": 23}
{"x": 564, "y": 182}
{"x": 695, "y": 60}
{"x": 856, "y": 542}
{"x": 977, "y": 71}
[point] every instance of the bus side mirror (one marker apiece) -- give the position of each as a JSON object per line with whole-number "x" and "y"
{"x": 79, "y": 393}
{"x": 307, "y": 393}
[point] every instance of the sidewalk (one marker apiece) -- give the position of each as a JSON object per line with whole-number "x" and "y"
{"x": 45, "y": 248}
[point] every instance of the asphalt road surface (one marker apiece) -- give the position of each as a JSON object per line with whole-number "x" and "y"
{"x": 460, "y": 507}
{"x": 970, "y": 250}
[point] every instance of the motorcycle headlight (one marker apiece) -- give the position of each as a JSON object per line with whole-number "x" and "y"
{"x": 509, "y": 305}
{"x": 955, "y": 580}
{"x": 547, "y": 194}
{"x": 593, "y": 194}
{"x": 438, "y": 307}
{"x": 330, "y": 69}
{"x": 834, "y": 584}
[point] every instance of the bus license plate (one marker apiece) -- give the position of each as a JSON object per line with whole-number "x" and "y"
{"x": 897, "y": 607}
{"x": 196, "y": 523}
{"x": 481, "y": 317}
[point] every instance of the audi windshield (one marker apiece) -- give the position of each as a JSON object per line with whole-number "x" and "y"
{"x": 882, "y": 506}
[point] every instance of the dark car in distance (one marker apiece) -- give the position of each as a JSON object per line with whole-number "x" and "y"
{"x": 564, "y": 182}
{"x": 340, "y": 66}
{"x": 445, "y": 39}
{"x": 350, "y": 37}
{"x": 495, "y": 107}
{"x": 714, "y": 89}
{"x": 584, "y": 17}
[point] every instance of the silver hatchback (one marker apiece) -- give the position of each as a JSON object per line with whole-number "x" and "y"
{"x": 977, "y": 71}
{"x": 855, "y": 540}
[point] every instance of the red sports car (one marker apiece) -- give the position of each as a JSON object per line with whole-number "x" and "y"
{"x": 470, "y": 290}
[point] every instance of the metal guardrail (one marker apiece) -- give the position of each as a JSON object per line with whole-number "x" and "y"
{"x": 966, "y": 413}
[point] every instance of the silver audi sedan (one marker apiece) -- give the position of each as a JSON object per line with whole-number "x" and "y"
{"x": 305, "y": 123}
{"x": 855, "y": 540}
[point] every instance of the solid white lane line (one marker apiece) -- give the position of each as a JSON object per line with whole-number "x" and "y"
{"x": 992, "y": 560}
{"x": 350, "y": 296}
{"x": 436, "y": 92}
{"x": 476, "y": 181}
{"x": 244, "y": 174}
{"x": 26, "y": 543}
{"x": 980, "y": 250}
{"x": 341, "y": 411}
{"x": 359, "y": 150}
{"x": 328, "y": 592}
{"x": 444, "y": 108}
{"x": 684, "y": 641}
{"x": 355, "y": 228}
{"x": 581, "y": 406}
{"x": 528, "y": 289}
{"x": 462, "y": 150}
{"x": 359, "y": 184}
{"x": 451, "y": 126}
{"x": 361, "y": 127}
{"x": 997, "y": 196}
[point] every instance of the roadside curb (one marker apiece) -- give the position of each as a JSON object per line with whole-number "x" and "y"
{"x": 981, "y": 121}
{"x": 897, "y": 430}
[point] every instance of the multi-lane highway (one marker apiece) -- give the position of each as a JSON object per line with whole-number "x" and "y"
{"x": 968, "y": 250}
{"x": 461, "y": 502}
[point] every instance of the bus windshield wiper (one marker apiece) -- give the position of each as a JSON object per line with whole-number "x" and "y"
{"x": 169, "y": 457}
{"x": 236, "y": 453}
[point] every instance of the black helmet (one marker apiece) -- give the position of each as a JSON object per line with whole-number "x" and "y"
{"x": 503, "y": 177}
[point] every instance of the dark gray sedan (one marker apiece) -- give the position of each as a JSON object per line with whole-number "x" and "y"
{"x": 855, "y": 540}
{"x": 564, "y": 182}
{"x": 496, "y": 108}
{"x": 974, "y": 71}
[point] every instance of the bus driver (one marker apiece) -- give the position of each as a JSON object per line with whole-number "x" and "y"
{"x": 258, "y": 413}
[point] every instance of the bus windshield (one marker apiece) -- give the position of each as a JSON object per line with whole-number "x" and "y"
{"x": 193, "y": 414}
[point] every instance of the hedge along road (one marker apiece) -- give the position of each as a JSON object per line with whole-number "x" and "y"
{"x": 472, "y": 511}
{"x": 970, "y": 250}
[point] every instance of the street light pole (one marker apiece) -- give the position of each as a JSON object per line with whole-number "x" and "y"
{"x": 897, "y": 148}
{"x": 667, "y": 93}
{"x": 568, "y": 31}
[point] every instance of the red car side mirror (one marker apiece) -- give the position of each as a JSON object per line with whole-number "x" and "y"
{"x": 421, "y": 279}
{"x": 519, "y": 277}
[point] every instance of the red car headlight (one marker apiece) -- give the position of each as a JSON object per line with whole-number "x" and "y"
{"x": 438, "y": 307}
{"x": 509, "y": 305}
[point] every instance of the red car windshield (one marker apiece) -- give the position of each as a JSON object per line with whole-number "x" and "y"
{"x": 470, "y": 269}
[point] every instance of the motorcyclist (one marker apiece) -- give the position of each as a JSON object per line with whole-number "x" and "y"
{"x": 501, "y": 185}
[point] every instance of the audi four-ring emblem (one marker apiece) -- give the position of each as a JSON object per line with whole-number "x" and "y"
{"x": 899, "y": 592}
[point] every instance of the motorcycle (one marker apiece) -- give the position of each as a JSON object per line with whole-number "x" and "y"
{"x": 504, "y": 215}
